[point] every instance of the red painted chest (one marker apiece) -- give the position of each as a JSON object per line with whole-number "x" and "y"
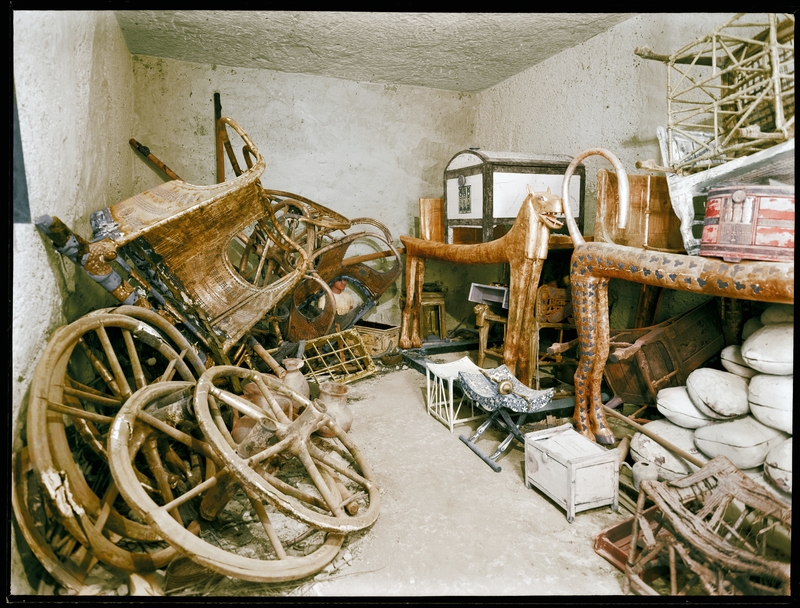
{"x": 749, "y": 223}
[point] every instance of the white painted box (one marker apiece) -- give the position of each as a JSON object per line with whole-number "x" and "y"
{"x": 576, "y": 473}
{"x": 484, "y": 191}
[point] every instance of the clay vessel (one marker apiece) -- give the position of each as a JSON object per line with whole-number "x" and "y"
{"x": 334, "y": 396}
{"x": 644, "y": 470}
{"x": 294, "y": 378}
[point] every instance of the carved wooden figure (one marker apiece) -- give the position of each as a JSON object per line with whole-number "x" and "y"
{"x": 593, "y": 264}
{"x": 524, "y": 248}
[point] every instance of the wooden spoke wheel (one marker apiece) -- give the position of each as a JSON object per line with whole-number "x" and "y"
{"x": 198, "y": 506}
{"x": 87, "y": 372}
{"x": 282, "y": 459}
{"x": 64, "y": 558}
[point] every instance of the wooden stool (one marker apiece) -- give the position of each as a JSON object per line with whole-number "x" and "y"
{"x": 433, "y": 321}
{"x": 484, "y": 316}
{"x": 442, "y": 403}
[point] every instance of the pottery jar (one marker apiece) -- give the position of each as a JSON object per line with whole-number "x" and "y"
{"x": 334, "y": 396}
{"x": 294, "y": 378}
{"x": 644, "y": 470}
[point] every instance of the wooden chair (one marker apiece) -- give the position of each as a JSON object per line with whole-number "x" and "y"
{"x": 484, "y": 316}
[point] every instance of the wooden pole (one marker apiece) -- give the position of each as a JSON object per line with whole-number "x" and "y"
{"x": 145, "y": 151}
{"x": 370, "y": 256}
{"x": 218, "y": 139}
{"x": 659, "y": 440}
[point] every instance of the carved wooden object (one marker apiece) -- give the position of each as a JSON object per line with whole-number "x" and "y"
{"x": 594, "y": 264}
{"x": 713, "y": 528}
{"x": 524, "y": 248}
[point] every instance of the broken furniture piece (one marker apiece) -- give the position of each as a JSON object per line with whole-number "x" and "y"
{"x": 574, "y": 472}
{"x": 499, "y": 393}
{"x": 524, "y": 248}
{"x": 441, "y": 382}
{"x": 643, "y": 361}
{"x": 714, "y": 529}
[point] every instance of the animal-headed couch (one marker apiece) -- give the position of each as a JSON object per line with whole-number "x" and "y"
{"x": 524, "y": 248}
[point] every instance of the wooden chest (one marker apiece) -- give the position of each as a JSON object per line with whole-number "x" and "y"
{"x": 576, "y": 473}
{"x": 749, "y": 223}
{"x": 642, "y": 361}
{"x": 484, "y": 191}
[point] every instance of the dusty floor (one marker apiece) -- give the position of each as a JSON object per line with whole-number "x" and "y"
{"x": 449, "y": 525}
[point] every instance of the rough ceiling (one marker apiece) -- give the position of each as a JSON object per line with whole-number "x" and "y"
{"x": 454, "y": 51}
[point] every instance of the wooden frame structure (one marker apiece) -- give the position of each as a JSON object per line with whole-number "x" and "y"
{"x": 730, "y": 93}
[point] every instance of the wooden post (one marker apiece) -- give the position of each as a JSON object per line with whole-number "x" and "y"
{"x": 431, "y": 219}
{"x": 218, "y": 139}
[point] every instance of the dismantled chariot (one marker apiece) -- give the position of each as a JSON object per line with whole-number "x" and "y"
{"x": 154, "y": 426}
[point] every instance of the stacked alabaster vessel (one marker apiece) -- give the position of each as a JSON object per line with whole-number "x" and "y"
{"x": 744, "y": 412}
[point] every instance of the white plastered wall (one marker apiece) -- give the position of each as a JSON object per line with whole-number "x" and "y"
{"x": 74, "y": 92}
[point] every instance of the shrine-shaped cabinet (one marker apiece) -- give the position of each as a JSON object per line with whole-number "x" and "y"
{"x": 484, "y": 191}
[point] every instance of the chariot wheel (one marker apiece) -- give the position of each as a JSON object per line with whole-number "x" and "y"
{"x": 64, "y": 558}
{"x": 283, "y": 460}
{"x": 202, "y": 515}
{"x": 86, "y": 373}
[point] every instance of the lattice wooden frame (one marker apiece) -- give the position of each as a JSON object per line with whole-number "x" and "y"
{"x": 341, "y": 357}
{"x": 731, "y": 93}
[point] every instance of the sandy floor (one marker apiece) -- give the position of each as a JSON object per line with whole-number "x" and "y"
{"x": 449, "y": 525}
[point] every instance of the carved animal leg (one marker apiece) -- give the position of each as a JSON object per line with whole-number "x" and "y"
{"x": 511, "y": 354}
{"x": 582, "y": 308}
{"x": 483, "y": 331}
{"x": 590, "y": 303}
{"x": 597, "y": 418}
{"x": 415, "y": 275}
{"x": 517, "y": 350}
{"x": 529, "y": 357}
{"x": 416, "y": 311}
